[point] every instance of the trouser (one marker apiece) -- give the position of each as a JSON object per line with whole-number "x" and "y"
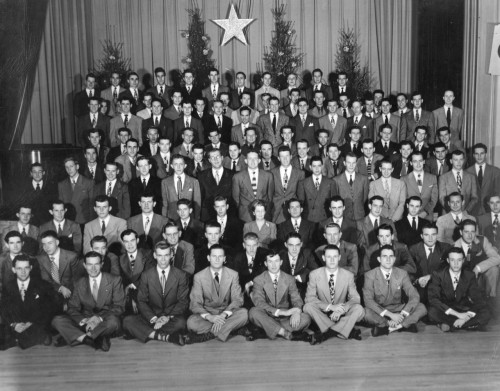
{"x": 343, "y": 326}
{"x": 481, "y": 319}
{"x": 272, "y": 325}
{"x": 70, "y": 330}
{"x": 140, "y": 328}
{"x": 375, "y": 319}
{"x": 198, "y": 325}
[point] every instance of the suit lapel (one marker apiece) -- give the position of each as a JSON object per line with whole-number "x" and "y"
{"x": 169, "y": 283}
{"x": 102, "y": 293}
{"x": 269, "y": 289}
{"x": 340, "y": 285}
{"x": 225, "y": 282}
{"x": 63, "y": 263}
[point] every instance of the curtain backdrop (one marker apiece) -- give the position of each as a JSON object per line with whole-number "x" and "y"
{"x": 150, "y": 31}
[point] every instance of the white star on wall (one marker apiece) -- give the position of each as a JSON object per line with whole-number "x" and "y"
{"x": 233, "y": 27}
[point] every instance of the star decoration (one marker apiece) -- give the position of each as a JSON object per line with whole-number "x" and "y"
{"x": 233, "y": 27}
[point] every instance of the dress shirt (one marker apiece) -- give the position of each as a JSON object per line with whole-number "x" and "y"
{"x": 373, "y": 218}
{"x": 446, "y": 110}
{"x": 429, "y": 249}
{"x": 146, "y": 178}
{"x": 24, "y": 283}
{"x": 461, "y": 172}
{"x": 34, "y": 183}
{"x": 410, "y": 220}
{"x": 183, "y": 179}
{"x": 106, "y": 221}
{"x": 112, "y": 183}
{"x": 316, "y": 179}
{"x": 459, "y": 215}
{"x": 98, "y": 281}
{"x": 159, "y": 270}
{"x": 477, "y": 168}
{"x": 20, "y": 227}
{"x": 250, "y": 172}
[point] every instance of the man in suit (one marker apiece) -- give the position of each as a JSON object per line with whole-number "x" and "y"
{"x": 319, "y": 110}
{"x": 250, "y": 185}
{"x": 239, "y": 90}
{"x": 147, "y": 224}
{"x": 428, "y": 255}
{"x": 231, "y": 226}
{"x": 305, "y": 125}
{"x": 372, "y": 110}
{"x": 344, "y": 109}
{"x": 298, "y": 261}
{"x": 125, "y": 120}
{"x": 488, "y": 223}
{"x": 93, "y": 119}
{"x": 423, "y": 185}
{"x": 286, "y": 179}
{"x": 265, "y": 89}
{"x": 132, "y": 93}
{"x": 444, "y": 136}
{"x": 220, "y": 122}
{"x": 216, "y": 301}
{"x": 287, "y": 135}
{"x": 420, "y": 140}
{"x": 437, "y": 164}
{"x": 278, "y": 305}
{"x": 161, "y": 161}
{"x": 392, "y": 190}
{"x": 124, "y": 134}
{"x": 81, "y": 99}
{"x": 188, "y": 121}
{"x": 384, "y": 146}
{"x": 150, "y": 147}
{"x": 58, "y": 267}
{"x": 456, "y": 301}
{"x": 68, "y": 232}
{"x": 368, "y": 226}
{"x": 369, "y": 163}
{"x": 214, "y": 136}
{"x": 144, "y": 183}
{"x": 239, "y": 131}
{"x": 175, "y": 110}
{"x": 347, "y": 226}
{"x": 285, "y": 94}
{"x": 334, "y": 124}
{"x": 417, "y": 117}
{"x": 333, "y": 162}
{"x": 449, "y": 223}
{"x": 402, "y": 105}
{"x": 94, "y": 308}
{"x": 116, "y": 190}
{"x": 179, "y": 186}
{"x": 481, "y": 257}
{"x": 199, "y": 163}
{"x": 133, "y": 262}
{"x": 157, "y": 120}
{"x": 27, "y": 307}
{"x": 272, "y": 122}
{"x": 28, "y": 231}
{"x": 201, "y": 112}
{"x": 160, "y": 90}
{"x": 450, "y": 116}
{"x": 267, "y": 160}
{"x": 162, "y": 299}
{"x": 314, "y": 191}
{"x": 383, "y": 290}
{"x": 189, "y": 91}
{"x": 112, "y": 92}
{"x": 90, "y": 167}
{"x": 192, "y": 229}
{"x": 302, "y": 160}
{"x": 342, "y": 87}
{"x": 332, "y": 299}
{"x": 487, "y": 179}
{"x": 401, "y": 161}
{"x": 410, "y": 226}
{"x": 318, "y": 85}
{"x": 320, "y": 148}
{"x": 359, "y": 119}
{"x": 185, "y": 148}
{"x": 291, "y": 109}
{"x": 353, "y": 144}
{"x": 235, "y": 161}
{"x": 459, "y": 180}
{"x": 182, "y": 251}
{"x": 246, "y": 100}
{"x": 96, "y": 139}
{"x": 76, "y": 192}
{"x": 297, "y": 223}
{"x": 213, "y": 91}
{"x": 110, "y": 262}
{"x": 389, "y": 119}
{"x": 105, "y": 224}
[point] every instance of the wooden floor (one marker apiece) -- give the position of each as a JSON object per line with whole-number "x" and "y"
{"x": 428, "y": 360}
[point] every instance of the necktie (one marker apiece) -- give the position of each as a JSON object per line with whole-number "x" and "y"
{"x": 274, "y": 122}
{"x": 163, "y": 281}
{"x": 250, "y": 264}
{"x": 302, "y": 164}
{"x": 214, "y": 93}
{"x": 144, "y": 184}
{"x": 292, "y": 265}
{"x": 275, "y": 284}
{"x": 350, "y": 180}
{"x": 222, "y": 226}
{"x": 285, "y": 179}
{"x": 103, "y": 227}
{"x": 417, "y": 117}
{"x": 240, "y": 91}
{"x": 126, "y": 120}
{"x": 386, "y": 188}
{"x": 404, "y": 168}
{"x": 316, "y": 87}
{"x": 217, "y": 178}
{"x": 161, "y": 91}
{"x": 136, "y": 95}
{"x": 317, "y": 184}
{"x": 419, "y": 182}
{"x": 108, "y": 193}
{"x": 54, "y": 271}
{"x": 303, "y": 118}
{"x": 156, "y": 121}
{"x": 234, "y": 165}
{"x": 198, "y": 167}
{"x": 332, "y": 120}
{"x": 90, "y": 94}
{"x": 146, "y": 225}
{"x": 91, "y": 172}
{"x": 179, "y": 187}
{"x": 217, "y": 281}
{"x": 219, "y": 123}
{"x": 430, "y": 253}
{"x": 184, "y": 225}
{"x": 344, "y": 113}
{"x": 387, "y": 277}
{"x": 24, "y": 232}
{"x": 386, "y": 120}
{"x": 448, "y": 116}
{"x": 254, "y": 183}
{"x": 356, "y": 121}
{"x": 440, "y": 170}
{"x": 267, "y": 165}
{"x": 334, "y": 164}
{"x": 401, "y": 113}
{"x": 386, "y": 147}
{"x": 132, "y": 262}
{"x": 495, "y": 221}
{"x": 95, "y": 289}
{"x": 37, "y": 187}
{"x": 22, "y": 291}
{"x": 296, "y": 226}
{"x": 187, "y": 123}
{"x": 459, "y": 182}
{"x": 59, "y": 230}
{"x": 414, "y": 224}
{"x": 480, "y": 176}
{"x": 457, "y": 220}
{"x": 369, "y": 168}
{"x": 115, "y": 92}
{"x": 189, "y": 89}
{"x": 375, "y": 226}
{"x": 94, "y": 121}
{"x": 455, "y": 283}
{"x": 331, "y": 283}
{"x": 73, "y": 184}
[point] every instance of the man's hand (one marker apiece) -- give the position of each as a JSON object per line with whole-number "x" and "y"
{"x": 295, "y": 320}
{"x": 476, "y": 271}
{"x": 218, "y": 321}
{"x": 392, "y": 323}
{"x": 459, "y": 322}
{"x": 397, "y": 318}
{"x": 423, "y": 281}
{"x": 162, "y": 320}
{"x": 20, "y": 327}
{"x": 92, "y": 323}
{"x": 463, "y": 316}
{"x": 65, "y": 292}
{"x": 248, "y": 287}
{"x": 134, "y": 307}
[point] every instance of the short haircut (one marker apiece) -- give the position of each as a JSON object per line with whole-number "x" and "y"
{"x": 330, "y": 247}
{"x": 92, "y": 254}
{"x": 336, "y": 198}
{"x": 480, "y": 146}
{"x": 98, "y": 239}
{"x": 212, "y": 224}
{"x": 292, "y": 235}
{"x": 141, "y": 158}
{"x": 162, "y": 245}
{"x": 101, "y": 198}
{"x": 160, "y": 69}
{"x": 315, "y": 159}
{"x": 468, "y": 222}
{"x": 185, "y": 201}
{"x": 456, "y": 194}
{"x": 375, "y": 198}
{"x": 216, "y": 247}
{"x": 132, "y": 140}
{"x": 127, "y": 232}
{"x": 13, "y": 234}
{"x": 456, "y": 250}
{"x": 386, "y": 227}
{"x": 458, "y": 152}
{"x": 443, "y": 129}
{"x": 22, "y": 258}
{"x": 250, "y": 236}
{"x": 49, "y": 234}
{"x": 169, "y": 224}
{"x": 126, "y": 130}
{"x": 414, "y": 198}
{"x": 387, "y": 247}
{"x": 293, "y": 200}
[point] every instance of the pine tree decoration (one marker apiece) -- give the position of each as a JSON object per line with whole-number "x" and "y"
{"x": 111, "y": 62}
{"x": 347, "y": 60}
{"x": 282, "y": 57}
{"x": 199, "y": 52}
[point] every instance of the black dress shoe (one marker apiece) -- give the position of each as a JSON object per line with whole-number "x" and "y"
{"x": 355, "y": 334}
{"x": 91, "y": 343}
{"x": 328, "y": 334}
{"x": 105, "y": 344}
{"x": 378, "y": 331}
{"x": 300, "y": 336}
{"x": 60, "y": 341}
{"x": 176, "y": 339}
{"x": 126, "y": 336}
{"x": 411, "y": 328}
{"x": 7, "y": 344}
{"x": 243, "y": 331}
{"x": 47, "y": 341}
{"x": 198, "y": 338}
{"x": 256, "y": 334}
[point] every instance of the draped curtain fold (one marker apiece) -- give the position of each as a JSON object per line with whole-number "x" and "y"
{"x": 150, "y": 31}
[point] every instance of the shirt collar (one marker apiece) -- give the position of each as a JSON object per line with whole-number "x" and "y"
{"x": 98, "y": 280}
{"x": 274, "y": 276}
{"x": 159, "y": 270}
{"x": 34, "y": 183}
{"x": 106, "y": 220}
{"x": 25, "y": 283}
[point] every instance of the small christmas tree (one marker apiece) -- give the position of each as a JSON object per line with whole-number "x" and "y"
{"x": 282, "y": 57}
{"x": 199, "y": 52}
{"x": 347, "y": 60}
{"x": 111, "y": 62}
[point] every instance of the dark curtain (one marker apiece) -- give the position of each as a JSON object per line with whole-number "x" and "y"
{"x": 21, "y": 29}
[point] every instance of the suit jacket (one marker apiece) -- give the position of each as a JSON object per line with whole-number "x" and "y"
{"x": 155, "y": 229}
{"x": 136, "y": 104}
{"x": 348, "y": 228}
{"x": 70, "y": 269}
{"x": 110, "y": 298}
{"x": 348, "y": 147}
{"x": 180, "y": 123}
{"x": 78, "y": 201}
{"x": 99, "y": 175}
{"x": 337, "y": 134}
{"x": 429, "y": 193}
{"x": 409, "y": 123}
{"x": 354, "y": 196}
{"x": 240, "y": 165}
{"x": 308, "y": 131}
{"x": 260, "y": 91}
{"x": 172, "y": 114}
{"x": 143, "y": 261}
{"x": 435, "y": 262}
{"x": 162, "y": 171}
{"x": 165, "y": 97}
{"x": 348, "y": 256}
{"x": 30, "y": 245}
{"x": 232, "y": 235}
{"x": 235, "y": 97}
{"x": 314, "y": 200}
{"x": 367, "y": 233}
{"x": 223, "y": 148}
{"x": 348, "y": 112}
{"x": 304, "y": 264}
{"x": 207, "y": 93}
{"x": 393, "y": 205}
{"x": 403, "y": 261}
{"x": 6, "y": 273}
{"x": 393, "y": 149}
{"x": 431, "y": 166}
{"x": 239, "y": 263}
{"x": 365, "y": 123}
{"x": 265, "y": 123}
{"x": 85, "y": 124}
{"x": 145, "y": 150}
{"x": 407, "y": 234}
{"x": 225, "y": 129}
{"x": 380, "y": 296}
{"x": 456, "y": 124}
{"x": 318, "y": 289}
{"x": 307, "y": 231}
{"x": 397, "y": 164}
{"x": 40, "y": 200}
{"x": 394, "y": 121}
{"x": 237, "y": 134}
{"x": 362, "y": 168}
{"x": 134, "y": 124}
{"x": 119, "y": 199}
{"x": 70, "y": 237}
{"x": 243, "y": 194}
{"x": 194, "y": 232}
{"x": 153, "y": 302}
{"x": 327, "y": 92}
{"x": 328, "y": 169}
{"x": 486, "y": 228}
{"x": 280, "y": 195}
{"x": 209, "y": 189}
{"x": 190, "y": 191}
{"x": 286, "y": 295}
{"x": 204, "y": 297}
{"x": 136, "y": 190}
{"x": 81, "y": 101}
{"x": 126, "y": 167}
{"x": 112, "y": 233}
{"x": 318, "y": 112}
{"x": 482, "y": 254}
{"x": 192, "y": 169}
{"x": 107, "y": 94}
{"x": 490, "y": 186}
{"x": 448, "y": 230}
{"x": 184, "y": 257}
{"x": 448, "y": 184}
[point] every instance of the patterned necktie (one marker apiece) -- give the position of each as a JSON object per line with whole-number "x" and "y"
{"x": 387, "y": 277}
{"x": 54, "y": 270}
{"x": 126, "y": 120}
{"x": 369, "y": 168}
{"x": 303, "y": 120}
{"x": 92, "y": 172}
{"x": 95, "y": 289}
{"x": 292, "y": 265}
{"x": 316, "y": 87}
{"x": 94, "y": 120}
{"x": 296, "y": 226}
{"x": 331, "y": 283}
{"x": 217, "y": 281}
{"x": 103, "y": 227}
{"x": 73, "y": 184}
{"x": 417, "y": 117}
{"x": 59, "y": 230}
{"x": 214, "y": 93}
{"x": 22, "y": 291}
{"x": 419, "y": 183}
{"x": 163, "y": 281}
{"x": 146, "y": 225}
{"x": 459, "y": 182}
{"x": 386, "y": 188}
{"x": 108, "y": 193}
{"x": 115, "y": 92}
{"x": 250, "y": 264}
{"x": 302, "y": 165}
{"x": 285, "y": 180}
{"x": 455, "y": 283}
{"x": 480, "y": 176}
{"x": 161, "y": 91}
{"x": 217, "y": 178}
{"x": 136, "y": 95}
{"x": 332, "y": 121}
{"x": 448, "y": 116}
{"x": 254, "y": 183}
{"x": 401, "y": 113}
{"x": 275, "y": 284}
{"x": 334, "y": 165}
{"x": 219, "y": 123}
{"x": 317, "y": 184}
{"x": 187, "y": 123}
{"x": 184, "y": 225}
{"x": 458, "y": 220}
{"x": 132, "y": 262}
{"x": 179, "y": 187}
{"x": 495, "y": 221}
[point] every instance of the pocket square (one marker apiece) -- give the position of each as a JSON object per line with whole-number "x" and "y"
{"x": 37, "y": 297}
{"x": 70, "y": 235}
{"x": 311, "y": 124}
{"x": 190, "y": 189}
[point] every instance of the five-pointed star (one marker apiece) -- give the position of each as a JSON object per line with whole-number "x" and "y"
{"x": 233, "y": 27}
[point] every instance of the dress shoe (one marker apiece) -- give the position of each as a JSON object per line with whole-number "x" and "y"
{"x": 47, "y": 341}
{"x": 476, "y": 327}
{"x": 355, "y": 334}
{"x": 243, "y": 331}
{"x": 300, "y": 336}
{"x": 7, "y": 344}
{"x": 91, "y": 343}
{"x": 198, "y": 338}
{"x": 444, "y": 327}
{"x": 176, "y": 339}
{"x": 378, "y": 331}
{"x": 256, "y": 334}
{"x": 126, "y": 336}
{"x": 411, "y": 328}
{"x": 60, "y": 341}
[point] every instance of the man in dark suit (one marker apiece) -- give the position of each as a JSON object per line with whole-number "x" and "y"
{"x": 111, "y": 94}
{"x": 231, "y": 225}
{"x": 198, "y": 163}
{"x": 302, "y": 160}
{"x": 305, "y": 125}
{"x": 285, "y": 94}
{"x": 420, "y": 137}
{"x": 401, "y": 162}
{"x": 333, "y": 163}
{"x": 81, "y": 99}
{"x": 215, "y": 143}
{"x": 76, "y": 192}
{"x": 239, "y": 89}
{"x": 334, "y": 124}
{"x": 220, "y": 122}
{"x": 124, "y": 134}
{"x": 359, "y": 119}
{"x": 368, "y": 226}
{"x": 417, "y": 117}
{"x": 410, "y": 226}
{"x": 267, "y": 160}
{"x": 337, "y": 208}
{"x": 342, "y": 87}
{"x": 163, "y": 300}
{"x": 182, "y": 251}
{"x": 69, "y": 233}
{"x": 94, "y": 308}
{"x": 27, "y": 307}
{"x": 291, "y": 109}
{"x": 235, "y": 161}
{"x": 318, "y": 85}
{"x": 315, "y": 190}
{"x": 192, "y": 229}
{"x": 319, "y": 109}
{"x": 201, "y": 112}
{"x": 272, "y": 122}
{"x": 150, "y": 146}
{"x": 489, "y": 222}
{"x": 90, "y": 167}
{"x": 387, "y": 309}
{"x": 175, "y": 110}
{"x": 144, "y": 184}
{"x": 369, "y": 163}
{"x": 157, "y": 120}
{"x": 353, "y": 144}
{"x": 213, "y": 91}
{"x": 160, "y": 90}
{"x": 28, "y": 231}
{"x": 389, "y": 119}
{"x": 97, "y": 139}
{"x": 110, "y": 262}
{"x": 161, "y": 161}
{"x": 456, "y": 301}
{"x": 92, "y": 119}
{"x": 116, "y": 191}
{"x": 126, "y": 119}
{"x": 437, "y": 164}
{"x": 189, "y": 91}
{"x": 384, "y": 146}
{"x": 133, "y": 94}
{"x": 297, "y": 223}
{"x": 429, "y": 255}
{"x": 188, "y": 121}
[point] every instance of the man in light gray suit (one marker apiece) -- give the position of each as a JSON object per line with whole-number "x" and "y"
{"x": 449, "y": 223}
{"x": 450, "y": 116}
{"x": 126, "y": 162}
{"x": 387, "y": 118}
{"x": 417, "y": 117}
{"x": 272, "y": 122}
{"x": 125, "y": 120}
{"x": 216, "y": 301}
{"x": 334, "y": 123}
{"x": 111, "y": 94}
